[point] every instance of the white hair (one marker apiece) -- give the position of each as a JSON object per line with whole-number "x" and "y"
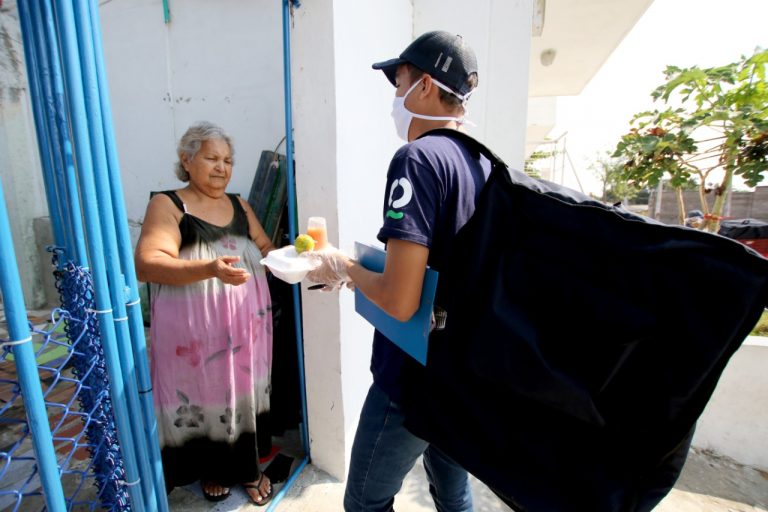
{"x": 193, "y": 138}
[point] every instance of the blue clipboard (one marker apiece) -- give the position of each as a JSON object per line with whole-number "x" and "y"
{"x": 411, "y": 336}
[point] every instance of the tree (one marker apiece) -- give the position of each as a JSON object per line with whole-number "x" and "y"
{"x": 717, "y": 129}
{"x": 615, "y": 187}
{"x": 530, "y": 163}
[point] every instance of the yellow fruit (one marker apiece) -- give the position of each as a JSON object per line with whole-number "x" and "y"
{"x": 304, "y": 243}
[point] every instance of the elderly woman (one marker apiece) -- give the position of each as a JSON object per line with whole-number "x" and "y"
{"x": 211, "y": 334}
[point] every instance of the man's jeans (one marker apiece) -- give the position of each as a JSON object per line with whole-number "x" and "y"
{"x": 383, "y": 454}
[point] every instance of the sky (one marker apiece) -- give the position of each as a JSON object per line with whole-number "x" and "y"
{"x": 682, "y": 33}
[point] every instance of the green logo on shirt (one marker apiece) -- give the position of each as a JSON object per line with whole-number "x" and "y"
{"x": 394, "y": 215}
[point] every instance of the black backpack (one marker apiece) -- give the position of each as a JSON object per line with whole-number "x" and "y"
{"x": 582, "y": 343}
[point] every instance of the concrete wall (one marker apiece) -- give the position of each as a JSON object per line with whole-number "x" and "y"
{"x": 744, "y": 205}
{"x": 500, "y": 33}
{"x": 217, "y": 61}
{"x": 735, "y": 421}
{"x": 19, "y": 160}
{"x": 345, "y": 138}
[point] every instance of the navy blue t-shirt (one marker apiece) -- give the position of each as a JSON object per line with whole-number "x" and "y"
{"x": 432, "y": 186}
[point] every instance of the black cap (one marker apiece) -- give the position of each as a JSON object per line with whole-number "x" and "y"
{"x": 442, "y": 55}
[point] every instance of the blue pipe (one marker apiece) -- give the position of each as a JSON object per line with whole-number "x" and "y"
{"x": 65, "y": 176}
{"x": 114, "y": 274}
{"x": 65, "y": 22}
{"x": 24, "y": 355}
{"x": 135, "y": 320}
{"x": 292, "y": 220}
{"x": 292, "y": 227}
{"x": 35, "y": 58}
{"x": 166, "y": 12}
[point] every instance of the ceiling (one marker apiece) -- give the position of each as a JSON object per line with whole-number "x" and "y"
{"x": 582, "y": 33}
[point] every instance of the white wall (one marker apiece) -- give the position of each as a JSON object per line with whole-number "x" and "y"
{"x": 500, "y": 33}
{"x": 345, "y": 139}
{"x": 19, "y": 158}
{"x": 735, "y": 421}
{"x": 366, "y": 143}
{"x": 314, "y": 117}
{"x": 542, "y": 116}
{"x": 217, "y": 61}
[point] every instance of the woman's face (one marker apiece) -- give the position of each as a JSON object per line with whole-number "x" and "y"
{"x": 211, "y": 168}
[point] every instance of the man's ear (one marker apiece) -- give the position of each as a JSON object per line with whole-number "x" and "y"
{"x": 426, "y": 85}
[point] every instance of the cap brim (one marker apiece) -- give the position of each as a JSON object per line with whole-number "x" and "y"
{"x": 389, "y": 67}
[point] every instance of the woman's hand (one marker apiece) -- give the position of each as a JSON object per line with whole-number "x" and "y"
{"x": 222, "y": 268}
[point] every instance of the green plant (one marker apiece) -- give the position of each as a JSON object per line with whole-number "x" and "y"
{"x": 530, "y": 162}
{"x": 761, "y": 329}
{"x": 720, "y": 124}
{"x": 610, "y": 173}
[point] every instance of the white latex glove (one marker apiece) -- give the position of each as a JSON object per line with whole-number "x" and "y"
{"x": 332, "y": 268}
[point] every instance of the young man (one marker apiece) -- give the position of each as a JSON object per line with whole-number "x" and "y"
{"x": 432, "y": 185}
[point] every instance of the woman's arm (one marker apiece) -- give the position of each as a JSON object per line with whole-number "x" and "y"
{"x": 256, "y": 232}
{"x": 157, "y": 251}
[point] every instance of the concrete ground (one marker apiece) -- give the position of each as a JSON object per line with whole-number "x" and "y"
{"x": 709, "y": 483}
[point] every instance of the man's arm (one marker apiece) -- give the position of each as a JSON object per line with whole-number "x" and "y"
{"x": 398, "y": 289}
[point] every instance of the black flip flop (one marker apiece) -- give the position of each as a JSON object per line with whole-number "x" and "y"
{"x": 264, "y": 500}
{"x": 214, "y": 497}
{"x": 279, "y": 469}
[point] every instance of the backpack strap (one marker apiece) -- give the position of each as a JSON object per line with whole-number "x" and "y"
{"x": 470, "y": 143}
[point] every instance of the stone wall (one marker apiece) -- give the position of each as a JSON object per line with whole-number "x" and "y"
{"x": 744, "y": 205}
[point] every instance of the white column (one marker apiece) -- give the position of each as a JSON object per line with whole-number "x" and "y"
{"x": 344, "y": 140}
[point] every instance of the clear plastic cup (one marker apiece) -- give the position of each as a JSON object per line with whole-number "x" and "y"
{"x": 316, "y": 228}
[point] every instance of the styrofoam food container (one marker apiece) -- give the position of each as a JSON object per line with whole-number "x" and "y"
{"x": 287, "y": 265}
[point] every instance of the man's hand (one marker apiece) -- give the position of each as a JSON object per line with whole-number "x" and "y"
{"x": 222, "y": 268}
{"x": 332, "y": 269}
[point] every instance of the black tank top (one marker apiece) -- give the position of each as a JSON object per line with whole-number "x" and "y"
{"x": 194, "y": 230}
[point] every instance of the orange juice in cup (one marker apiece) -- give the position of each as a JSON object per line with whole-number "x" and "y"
{"x": 317, "y": 230}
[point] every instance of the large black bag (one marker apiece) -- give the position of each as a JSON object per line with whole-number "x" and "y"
{"x": 582, "y": 343}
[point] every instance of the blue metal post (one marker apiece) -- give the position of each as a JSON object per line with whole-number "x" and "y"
{"x": 135, "y": 320}
{"x": 292, "y": 220}
{"x": 292, "y": 227}
{"x": 65, "y": 22}
{"x": 65, "y": 175}
{"x": 34, "y": 54}
{"x": 24, "y": 355}
{"x": 117, "y": 283}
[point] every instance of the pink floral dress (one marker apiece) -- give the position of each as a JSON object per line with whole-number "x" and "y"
{"x": 211, "y": 348}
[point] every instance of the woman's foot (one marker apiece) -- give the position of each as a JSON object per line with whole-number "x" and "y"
{"x": 259, "y": 491}
{"x": 214, "y": 492}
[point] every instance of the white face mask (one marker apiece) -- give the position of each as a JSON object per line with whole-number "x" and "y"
{"x": 403, "y": 117}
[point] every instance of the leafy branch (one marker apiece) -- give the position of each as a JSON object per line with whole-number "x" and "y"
{"x": 717, "y": 114}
